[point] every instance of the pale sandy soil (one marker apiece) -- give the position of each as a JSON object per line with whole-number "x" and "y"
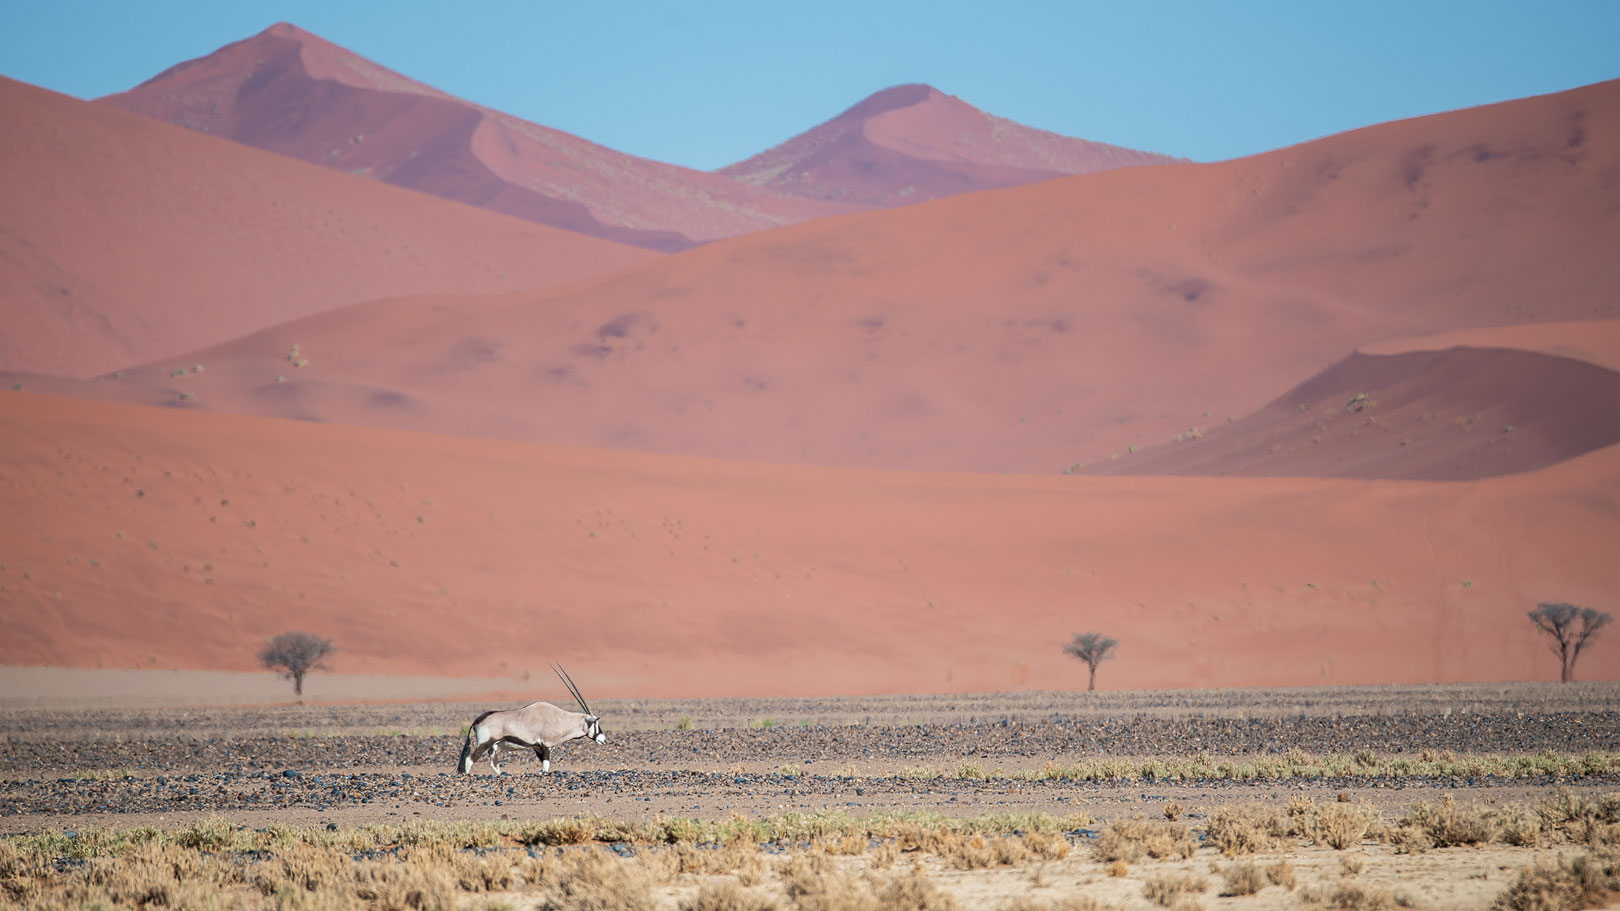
{"x": 1451, "y": 879}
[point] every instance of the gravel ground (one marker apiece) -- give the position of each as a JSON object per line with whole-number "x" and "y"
{"x": 354, "y": 764}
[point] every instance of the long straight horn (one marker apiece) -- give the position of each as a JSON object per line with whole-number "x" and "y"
{"x": 569, "y": 682}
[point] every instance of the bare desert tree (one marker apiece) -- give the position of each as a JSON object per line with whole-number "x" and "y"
{"x": 296, "y": 654}
{"x": 1093, "y": 649}
{"x": 1571, "y": 628}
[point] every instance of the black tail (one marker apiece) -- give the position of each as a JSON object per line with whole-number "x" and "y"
{"x": 465, "y": 765}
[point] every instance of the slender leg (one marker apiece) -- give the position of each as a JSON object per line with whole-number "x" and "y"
{"x": 544, "y": 752}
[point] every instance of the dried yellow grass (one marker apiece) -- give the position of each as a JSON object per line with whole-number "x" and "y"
{"x": 1169, "y": 889}
{"x": 1130, "y": 839}
{"x": 1242, "y": 879}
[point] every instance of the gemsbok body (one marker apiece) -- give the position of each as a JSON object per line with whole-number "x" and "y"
{"x": 539, "y": 726}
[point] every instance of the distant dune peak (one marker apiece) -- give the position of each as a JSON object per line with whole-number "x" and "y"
{"x": 897, "y": 96}
{"x": 910, "y": 143}
{"x": 288, "y": 91}
{"x": 288, "y": 30}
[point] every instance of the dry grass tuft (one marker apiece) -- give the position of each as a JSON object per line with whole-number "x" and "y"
{"x": 911, "y": 891}
{"x": 1351, "y": 865}
{"x": 884, "y": 856}
{"x": 726, "y": 895}
{"x": 1065, "y": 903}
{"x": 595, "y": 880}
{"x": 845, "y": 844}
{"x": 1584, "y": 882}
{"x": 1046, "y": 845}
{"x": 1449, "y": 826}
{"x": 1129, "y": 839}
{"x": 975, "y": 852}
{"x": 813, "y": 883}
{"x": 1243, "y": 879}
{"x": 1341, "y": 825}
{"x": 1281, "y": 873}
{"x": 387, "y": 884}
{"x": 1245, "y": 829}
{"x": 1169, "y": 890}
{"x": 1353, "y": 897}
{"x": 1591, "y": 821}
{"x": 740, "y": 857}
{"x": 562, "y": 831}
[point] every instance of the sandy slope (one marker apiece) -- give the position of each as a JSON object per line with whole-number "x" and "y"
{"x": 1428, "y": 413}
{"x": 141, "y": 537}
{"x": 1593, "y": 341}
{"x": 123, "y": 239}
{"x": 1023, "y": 329}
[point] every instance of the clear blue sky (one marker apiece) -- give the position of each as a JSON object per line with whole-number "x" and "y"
{"x": 705, "y": 84}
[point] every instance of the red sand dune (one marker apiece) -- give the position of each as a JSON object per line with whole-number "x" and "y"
{"x": 912, "y": 143}
{"x": 1596, "y": 342}
{"x": 1023, "y": 329}
{"x": 124, "y": 239}
{"x": 141, "y": 537}
{"x": 1458, "y": 413}
{"x": 293, "y": 93}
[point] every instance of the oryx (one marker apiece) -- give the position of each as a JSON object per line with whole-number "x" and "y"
{"x": 539, "y": 726}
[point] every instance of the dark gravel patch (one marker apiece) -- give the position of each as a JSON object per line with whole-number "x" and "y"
{"x": 1057, "y": 739}
{"x": 303, "y": 762}
{"x": 233, "y": 792}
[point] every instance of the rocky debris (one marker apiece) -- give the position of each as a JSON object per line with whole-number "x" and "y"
{"x": 396, "y": 761}
{"x": 1061, "y": 739}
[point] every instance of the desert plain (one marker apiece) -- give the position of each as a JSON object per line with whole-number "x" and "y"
{"x": 1416, "y": 796}
{"x": 807, "y": 468}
